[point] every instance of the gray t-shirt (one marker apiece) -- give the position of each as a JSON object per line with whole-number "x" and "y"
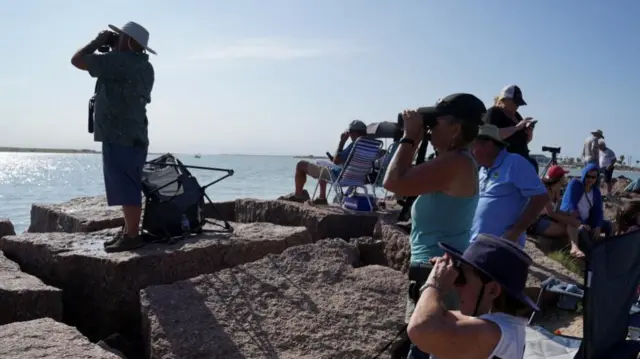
{"x": 123, "y": 90}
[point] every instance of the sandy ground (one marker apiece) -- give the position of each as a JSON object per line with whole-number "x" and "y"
{"x": 566, "y": 323}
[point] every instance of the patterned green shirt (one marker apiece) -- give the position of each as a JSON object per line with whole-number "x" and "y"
{"x": 123, "y": 90}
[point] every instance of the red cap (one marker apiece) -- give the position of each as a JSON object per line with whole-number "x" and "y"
{"x": 555, "y": 172}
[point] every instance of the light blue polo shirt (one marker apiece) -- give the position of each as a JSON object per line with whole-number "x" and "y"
{"x": 505, "y": 189}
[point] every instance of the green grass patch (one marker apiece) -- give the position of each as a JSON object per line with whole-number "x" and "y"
{"x": 567, "y": 261}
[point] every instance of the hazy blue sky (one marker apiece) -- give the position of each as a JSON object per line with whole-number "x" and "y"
{"x": 286, "y": 76}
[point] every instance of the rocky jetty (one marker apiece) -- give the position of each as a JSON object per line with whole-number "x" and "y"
{"x": 6, "y": 227}
{"x": 308, "y": 302}
{"x": 47, "y": 339}
{"x": 292, "y": 280}
{"x": 83, "y": 214}
{"x": 88, "y": 214}
{"x": 25, "y": 297}
{"x": 104, "y": 286}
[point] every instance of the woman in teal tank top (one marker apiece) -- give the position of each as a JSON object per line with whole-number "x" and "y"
{"x": 446, "y": 186}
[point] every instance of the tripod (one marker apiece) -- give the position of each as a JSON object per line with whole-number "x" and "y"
{"x": 554, "y": 158}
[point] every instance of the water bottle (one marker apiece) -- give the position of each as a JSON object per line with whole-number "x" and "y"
{"x": 184, "y": 224}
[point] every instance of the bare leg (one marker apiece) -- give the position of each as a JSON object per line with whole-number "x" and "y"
{"x": 300, "y": 177}
{"x": 314, "y": 171}
{"x": 573, "y": 234}
{"x": 555, "y": 229}
{"x": 323, "y": 189}
{"x": 132, "y": 216}
{"x": 609, "y": 185}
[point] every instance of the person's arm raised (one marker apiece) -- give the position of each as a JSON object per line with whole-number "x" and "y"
{"x": 444, "y": 334}
{"x": 337, "y": 158}
{"x": 431, "y": 176}
{"x": 79, "y": 58}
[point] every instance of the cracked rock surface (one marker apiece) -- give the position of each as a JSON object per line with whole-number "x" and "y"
{"x": 308, "y": 302}
{"x": 47, "y": 339}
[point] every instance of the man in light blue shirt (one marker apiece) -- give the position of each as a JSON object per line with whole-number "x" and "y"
{"x": 511, "y": 193}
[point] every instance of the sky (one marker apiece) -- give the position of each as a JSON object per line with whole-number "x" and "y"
{"x": 287, "y": 76}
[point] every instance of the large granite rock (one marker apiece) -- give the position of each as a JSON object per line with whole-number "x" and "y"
{"x": 84, "y": 214}
{"x": 308, "y": 302}
{"x": 88, "y": 214}
{"x": 47, "y": 339}
{"x": 395, "y": 239}
{"x": 6, "y": 227}
{"x": 101, "y": 289}
{"x": 322, "y": 221}
{"x": 25, "y": 297}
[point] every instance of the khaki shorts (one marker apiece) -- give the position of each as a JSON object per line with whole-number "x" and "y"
{"x": 319, "y": 171}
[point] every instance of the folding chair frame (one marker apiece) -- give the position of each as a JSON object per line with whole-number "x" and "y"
{"x": 226, "y": 226}
{"x": 384, "y": 165}
{"x": 334, "y": 184}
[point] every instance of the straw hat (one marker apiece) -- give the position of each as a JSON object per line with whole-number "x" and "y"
{"x": 136, "y": 32}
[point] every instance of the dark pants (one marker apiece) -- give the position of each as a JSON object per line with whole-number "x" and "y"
{"x": 608, "y": 175}
{"x": 122, "y": 168}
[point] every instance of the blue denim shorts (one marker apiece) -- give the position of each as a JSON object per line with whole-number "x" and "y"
{"x": 122, "y": 167}
{"x": 542, "y": 224}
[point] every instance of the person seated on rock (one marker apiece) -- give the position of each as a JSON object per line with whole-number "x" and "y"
{"x": 446, "y": 186}
{"x": 553, "y": 222}
{"x": 324, "y": 170}
{"x": 628, "y": 218}
{"x": 489, "y": 278}
{"x": 511, "y": 193}
{"x": 583, "y": 200}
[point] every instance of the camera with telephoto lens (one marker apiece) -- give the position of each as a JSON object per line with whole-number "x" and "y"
{"x": 552, "y": 150}
{"x": 110, "y": 44}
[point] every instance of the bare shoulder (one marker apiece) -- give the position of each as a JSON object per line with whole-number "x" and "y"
{"x": 463, "y": 175}
{"x": 465, "y": 337}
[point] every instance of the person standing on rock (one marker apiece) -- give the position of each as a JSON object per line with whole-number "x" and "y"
{"x": 124, "y": 82}
{"x": 511, "y": 193}
{"x": 514, "y": 130}
{"x": 489, "y": 278}
{"x": 590, "y": 151}
{"x": 446, "y": 186}
{"x": 607, "y": 163}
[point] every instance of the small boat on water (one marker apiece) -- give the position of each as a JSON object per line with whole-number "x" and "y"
{"x": 197, "y": 155}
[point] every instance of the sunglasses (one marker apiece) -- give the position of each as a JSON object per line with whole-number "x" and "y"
{"x": 591, "y": 176}
{"x": 461, "y": 279}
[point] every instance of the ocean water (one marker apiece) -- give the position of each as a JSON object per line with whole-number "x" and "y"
{"x": 27, "y": 178}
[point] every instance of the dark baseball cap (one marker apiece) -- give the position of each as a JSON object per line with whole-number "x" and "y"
{"x": 463, "y": 106}
{"x": 357, "y": 126}
{"x": 513, "y": 93}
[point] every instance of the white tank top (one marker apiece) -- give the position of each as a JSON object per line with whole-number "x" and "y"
{"x": 512, "y": 341}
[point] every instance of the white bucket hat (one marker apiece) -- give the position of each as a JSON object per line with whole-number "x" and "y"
{"x": 136, "y": 32}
